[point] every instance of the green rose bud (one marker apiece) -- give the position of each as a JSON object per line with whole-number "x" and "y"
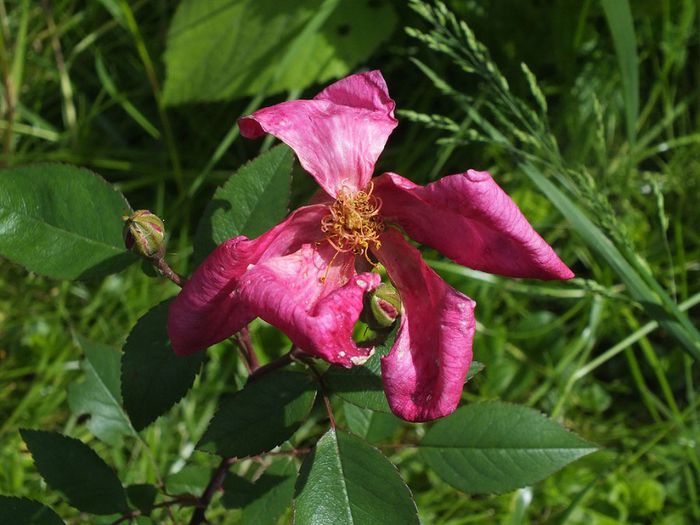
{"x": 384, "y": 305}
{"x": 144, "y": 234}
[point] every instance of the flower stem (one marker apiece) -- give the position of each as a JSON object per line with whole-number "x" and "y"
{"x": 245, "y": 346}
{"x": 217, "y": 479}
{"x": 289, "y": 357}
{"x": 167, "y": 272}
{"x": 182, "y": 500}
{"x": 322, "y": 387}
{"x": 215, "y": 484}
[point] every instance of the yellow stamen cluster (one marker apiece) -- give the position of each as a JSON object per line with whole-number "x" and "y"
{"x": 354, "y": 223}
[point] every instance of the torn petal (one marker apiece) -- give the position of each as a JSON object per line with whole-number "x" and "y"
{"x": 471, "y": 220}
{"x": 425, "y": 371}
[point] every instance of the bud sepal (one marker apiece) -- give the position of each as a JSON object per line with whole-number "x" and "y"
{"x": 144, "y": 234}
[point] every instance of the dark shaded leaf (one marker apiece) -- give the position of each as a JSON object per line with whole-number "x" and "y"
{"x": 362, "y": 385}
{"x": 26, "y": 512}
{"x": 265, "y": 413}
{"x": 70, "y": 466}
{"x": 153, "y": 377}
{"x": 142, "y": 496}
{"x": 264, "y": 501}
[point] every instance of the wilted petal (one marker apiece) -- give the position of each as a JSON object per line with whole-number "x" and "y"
{"x": 338, "y": 135}
{"x": 425, "y": 371}
{"x": 471, "y": 220}
{"x": 316, "y": 306}
{"x": 208, "y": 309}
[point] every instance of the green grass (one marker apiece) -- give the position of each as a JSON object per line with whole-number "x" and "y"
{"x": 590, "y": 352}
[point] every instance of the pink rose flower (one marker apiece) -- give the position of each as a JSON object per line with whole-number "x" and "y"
{"x": 307, "y": 275}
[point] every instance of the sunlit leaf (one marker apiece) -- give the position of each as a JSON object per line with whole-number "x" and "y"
{"x": 346, "y": 481}
{"x": 98, "y": 396}
{"x": 62, "y": 221}
{"x": 497, "y": 447}
{"x": 222, "y": 49}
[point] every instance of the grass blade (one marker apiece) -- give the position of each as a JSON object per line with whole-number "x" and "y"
{"x": 655, "y": 300}
{"x": 619, "y": 17}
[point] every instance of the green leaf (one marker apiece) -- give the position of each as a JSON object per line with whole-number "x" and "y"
{"x": 264, "y": 501}
{"x": 192, "y": 480}
{"x": 265, "y": 413}
{"x": 154, "y": 378}
{"x": 98, "y": 396}
{"x": 251, "y": 202}
{"x": 370, "y": 425}
{"x": 222, "y": 49}
{"x": 142, "y": 496}
{"x": 359, "y": 385}
{"x": 61, "y": 221}
{"x": 70, "y": 466}
{"x": 362, "y": 385}
{"x": 346, "y": 481}
{"x": 619, "y": 17}
{"x": 474, "y": 370}
{"x": 26, "y": 512}
{"x": 497, "y": 447}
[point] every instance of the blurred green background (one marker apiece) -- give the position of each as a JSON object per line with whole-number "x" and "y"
{"x": 147, "y": 94}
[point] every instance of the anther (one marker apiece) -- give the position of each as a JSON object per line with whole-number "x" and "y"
{"x": 353, "y": 224}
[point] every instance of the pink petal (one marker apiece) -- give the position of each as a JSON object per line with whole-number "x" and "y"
{"x": 208, "y": 309}
{"x": 363, "y": 90}
{"x": 339, "y": 135}
{"x": 425, "y": 371}
{"x": 471, "y": 220}
{"x": 316, "y": 306}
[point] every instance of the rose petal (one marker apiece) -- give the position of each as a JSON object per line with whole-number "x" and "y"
{"x": 364, "y": 91}
{"x": 471, "y": 220}
{"x": 338, "y": 136}
{"x": 424, "y": 373}
{"x": 208, "y": 309}
{"x": 316, "y": 306}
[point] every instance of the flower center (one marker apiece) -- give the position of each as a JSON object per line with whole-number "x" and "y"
{"x": 353, "y": 223}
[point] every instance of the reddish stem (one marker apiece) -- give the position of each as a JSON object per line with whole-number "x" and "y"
{"x": 215, "y": 484}
{"x": 245, "y": 346}
{"x": 167, "y": 272}
{"x": 322, "y": 387}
